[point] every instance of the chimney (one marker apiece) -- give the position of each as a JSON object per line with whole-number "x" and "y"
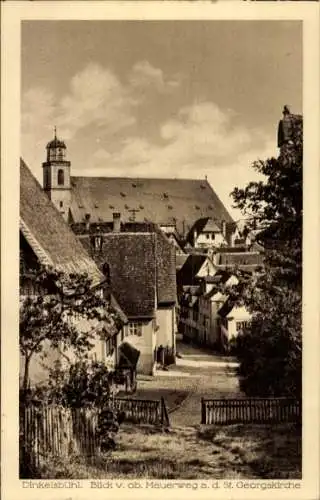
{"x": 87, "y": 222}
{"x": 195, "y": 236}
{"x": 224, "y": 228}
{"x": 116, "y": 222}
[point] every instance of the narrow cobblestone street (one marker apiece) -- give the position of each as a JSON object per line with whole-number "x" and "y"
{"x": 197, "y": 374}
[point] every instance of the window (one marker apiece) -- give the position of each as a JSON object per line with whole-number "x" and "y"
{"x": 60, "y": 177}
{"x": 59, "y": 154}
{"x": 61, "y": 204}
{"x": 208, "y": 236}
{"x": 135, "y": 329}
{"x": 241, "y": 325}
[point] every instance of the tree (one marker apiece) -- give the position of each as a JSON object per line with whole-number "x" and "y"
{"x": 48, "y": 319}
{"x": 270, "y": 349}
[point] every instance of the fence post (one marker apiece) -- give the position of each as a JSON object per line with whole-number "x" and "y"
{"x": 203, "y": 411}
{"x": 164, "y": 413}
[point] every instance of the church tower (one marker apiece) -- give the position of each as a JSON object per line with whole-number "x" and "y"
{"x": 56, "y": 176}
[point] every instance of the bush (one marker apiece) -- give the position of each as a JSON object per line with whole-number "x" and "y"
{"x": 85, "y": 384}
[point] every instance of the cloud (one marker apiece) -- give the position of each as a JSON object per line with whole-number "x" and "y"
{"x": 146, "y": 76}
{"x": 37, "y": 111}
{"x": 96, "y": 103}
{"x": 203, "y": 132}
{"x": 202, "y": 140}
{"x": 98, "y": 98}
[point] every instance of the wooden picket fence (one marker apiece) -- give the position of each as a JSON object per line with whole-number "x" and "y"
{"x": 50, "y": 430}
{"x": 250, "y": 410}
{"x": 143, "y": 411}
{"x": 55, "y": 431}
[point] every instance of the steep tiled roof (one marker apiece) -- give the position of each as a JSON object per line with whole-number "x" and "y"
{"x": 164, "y": 252}
{"x": 221, "y": 276}
{"x": 187, "y": 274}
{"x": 197, "y": 226}
{"x": 166, "y": 268}
{"x": 229, "y": 306}
{"x": 226, "y": 308}
{"x": 142, "y": 268}
{"x": 131, "y": 257}
{"x": 231, "y": 250}
{"x": 211, "y": 227}
{"x": 48, "y": 234}
{"x": 180, "y": 260}
{"x": 164, "y": 201}
{"x": 240, "y": 259}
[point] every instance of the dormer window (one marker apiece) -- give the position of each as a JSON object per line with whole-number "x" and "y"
{"x": 60, "y": 177}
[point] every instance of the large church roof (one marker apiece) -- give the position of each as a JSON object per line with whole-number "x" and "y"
{"x": 163, "y": 201}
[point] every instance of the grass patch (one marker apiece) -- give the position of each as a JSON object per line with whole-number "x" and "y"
{"x": 271, "y": 451}
{"x": 230, "y": 452}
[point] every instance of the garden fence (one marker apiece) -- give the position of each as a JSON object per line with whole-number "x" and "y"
{"x": 52, "y": 430}
{"x": 250, "y": 410}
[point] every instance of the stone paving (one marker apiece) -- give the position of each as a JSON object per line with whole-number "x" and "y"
{"x": 196, "y": 374}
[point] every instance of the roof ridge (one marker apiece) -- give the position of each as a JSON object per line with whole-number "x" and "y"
{"x": 140, "y": 178}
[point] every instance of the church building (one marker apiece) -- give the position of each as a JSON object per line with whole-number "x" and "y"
{"x": 177, "y": 203}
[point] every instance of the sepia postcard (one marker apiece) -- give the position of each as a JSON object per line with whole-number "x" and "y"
{"x": 160, "y": 263}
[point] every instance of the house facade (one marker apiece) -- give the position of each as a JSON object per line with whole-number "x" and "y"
{"x": 212, "y": 233}
{"x": 46, "y": 240}
{"x": 207, "y": 317}
{"x": 232, "y": 320}
{"x": 141, "y": 263}
{"x": 208, "y": 236}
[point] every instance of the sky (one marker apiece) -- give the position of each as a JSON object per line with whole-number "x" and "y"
{"x": 183, "y": 99}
